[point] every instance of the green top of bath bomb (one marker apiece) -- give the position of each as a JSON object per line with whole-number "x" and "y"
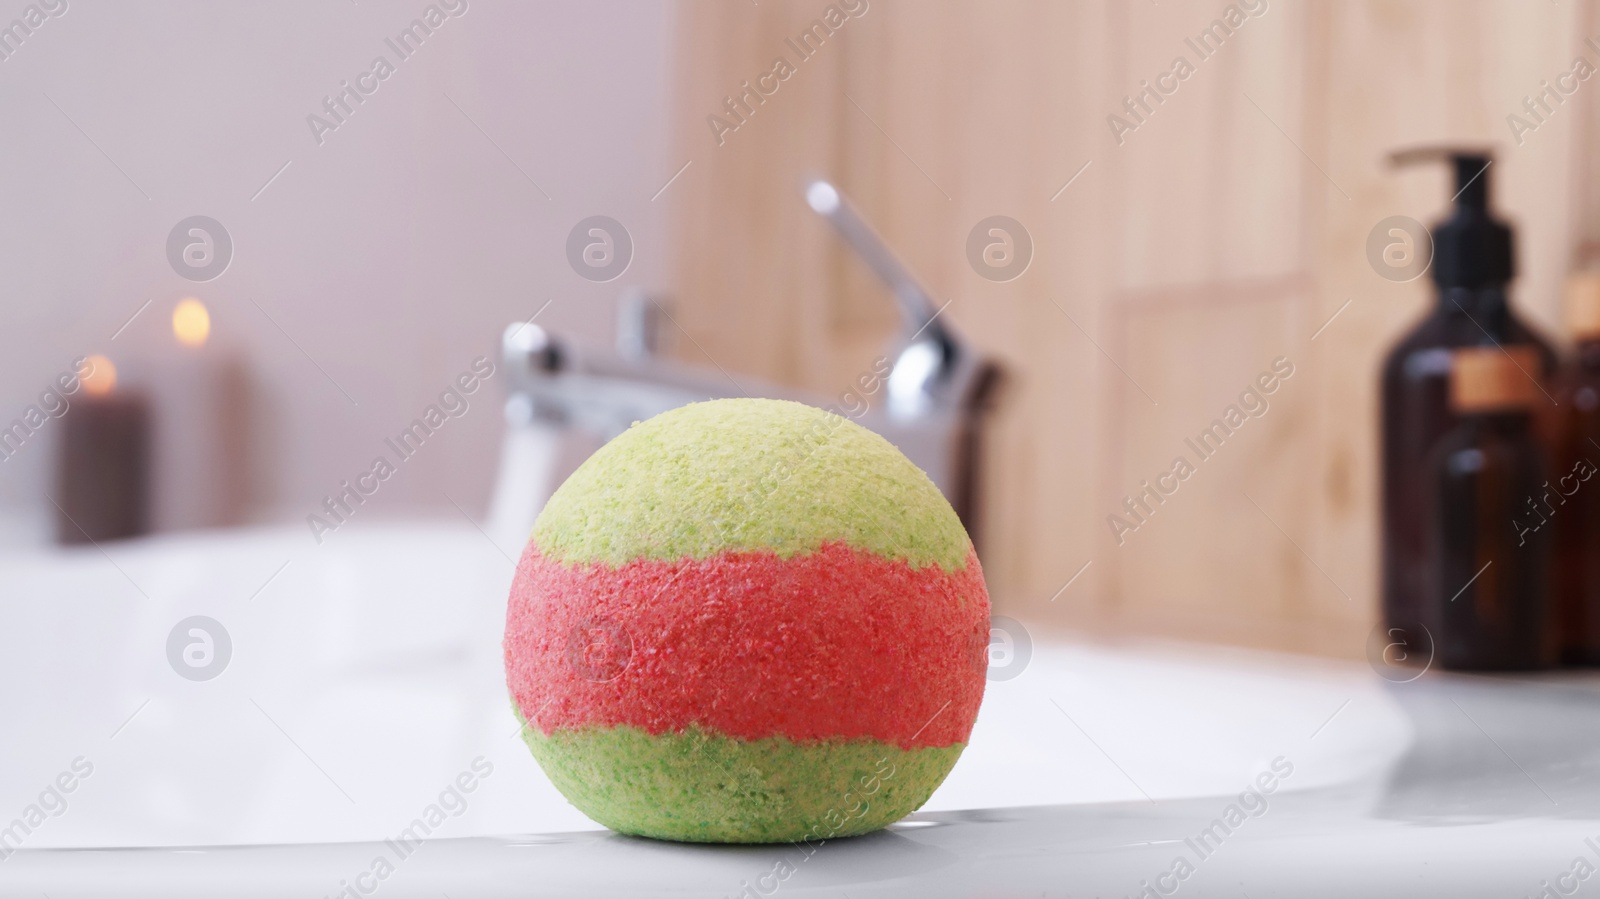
{"x": 743, "y": 475}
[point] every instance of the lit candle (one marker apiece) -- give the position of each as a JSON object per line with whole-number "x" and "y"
{"x": 197, "y": 440}
{"x": 102, "y": 469}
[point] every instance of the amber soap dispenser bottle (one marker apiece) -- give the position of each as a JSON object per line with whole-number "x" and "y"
{"x": 1489, "y": 578}
{"x": 1472, "y": 265}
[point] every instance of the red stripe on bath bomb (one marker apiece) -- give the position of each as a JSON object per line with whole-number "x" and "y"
{"x": 838, "y": 644}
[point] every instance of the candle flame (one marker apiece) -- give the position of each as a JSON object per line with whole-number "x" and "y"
{"x": 98, "y": 375}
{"x": 191, "y": 323}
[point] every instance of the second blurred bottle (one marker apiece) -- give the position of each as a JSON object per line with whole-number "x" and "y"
{"x": 1574, "y": 505}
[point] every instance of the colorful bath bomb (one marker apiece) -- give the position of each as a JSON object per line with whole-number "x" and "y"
{"x": 747, "y": 621}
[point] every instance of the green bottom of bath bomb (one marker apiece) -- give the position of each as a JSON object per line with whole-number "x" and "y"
{"x": 704, "y": 787}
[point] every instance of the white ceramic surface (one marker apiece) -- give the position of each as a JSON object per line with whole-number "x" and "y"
{"x": 365, "y": 678}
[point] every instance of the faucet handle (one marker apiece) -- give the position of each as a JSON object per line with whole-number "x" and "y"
{"x": 917, "y": 309}
{"x": 934, "y": 369}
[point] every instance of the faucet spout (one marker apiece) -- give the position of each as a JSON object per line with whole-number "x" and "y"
{"x": 939, "y": 388}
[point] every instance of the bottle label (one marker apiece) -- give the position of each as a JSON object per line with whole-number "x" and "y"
{"x": 1494, "y": 378}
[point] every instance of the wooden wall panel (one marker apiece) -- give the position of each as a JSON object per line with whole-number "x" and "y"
{"x": 1222, "y": 233}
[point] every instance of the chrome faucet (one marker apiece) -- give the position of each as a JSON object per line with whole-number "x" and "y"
{"x": 563, "y": 401}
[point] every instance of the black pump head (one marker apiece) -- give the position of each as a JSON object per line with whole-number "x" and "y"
{"x": 1471, "y": 248}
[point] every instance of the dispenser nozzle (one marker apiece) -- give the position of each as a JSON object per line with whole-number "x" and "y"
{"x": 1471, "y": 165}
{"x": 1471, "y": 248}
